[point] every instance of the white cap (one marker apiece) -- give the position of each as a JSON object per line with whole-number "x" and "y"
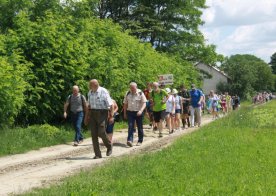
{"x": 168, "y": 90}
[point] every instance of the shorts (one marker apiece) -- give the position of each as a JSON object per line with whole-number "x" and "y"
{"x": 109, "y": 128}
{"x": 186, "y": 110}
{"x": 178, "y": 111}
{"x": 160, "y": 115}
{"x": 168, "y": 114}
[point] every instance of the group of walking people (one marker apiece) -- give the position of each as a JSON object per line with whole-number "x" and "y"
{"x": 262, "y": 97}
{"x": 222, "y": 103}
{"x": 166, "y": 109}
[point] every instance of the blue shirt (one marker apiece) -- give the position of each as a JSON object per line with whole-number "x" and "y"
{"x": 195, "y": 97}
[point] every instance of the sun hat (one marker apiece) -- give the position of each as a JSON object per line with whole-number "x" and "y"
{"x": 174, "y": 91}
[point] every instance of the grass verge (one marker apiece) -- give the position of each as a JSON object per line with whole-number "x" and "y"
{"x": 20, "y": 140}
{"x": 232, "y": 156}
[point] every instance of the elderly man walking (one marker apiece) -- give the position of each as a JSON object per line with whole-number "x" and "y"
{"x": 100, "y": 112}
{"x": 78, "y": 107}
{"x": 134, "y": 105}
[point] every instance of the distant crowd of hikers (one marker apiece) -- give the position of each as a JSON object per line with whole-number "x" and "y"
{"x": 165, "y": 108}
{"x": 262, "y": 97}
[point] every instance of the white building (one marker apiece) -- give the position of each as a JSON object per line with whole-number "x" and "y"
{"x": 212, "y": 76}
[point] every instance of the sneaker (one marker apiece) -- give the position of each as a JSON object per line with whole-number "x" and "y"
{"x": 160, "y": 135}
{"x": 75, "y": 143}
{"x": 129, "y": 143}
{"x": 80, "y": 141}
{"x": 109, "y": 151}
{"x": 155, "y": 129}
{"x": 139, "y": 144}
{"x": 97, "y": 157}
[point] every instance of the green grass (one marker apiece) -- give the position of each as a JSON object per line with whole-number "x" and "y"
{"x": 232, "y": 156}
{"x": 20, "y": 140}
{"x": 120, "y": 125}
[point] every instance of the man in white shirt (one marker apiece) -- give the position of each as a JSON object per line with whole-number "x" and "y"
{"x": 100, "y": 112}
{"x": 134, "y": 105}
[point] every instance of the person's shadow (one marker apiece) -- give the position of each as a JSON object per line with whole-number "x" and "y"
{"x": 78, "y": 158}
{"x": 119, "y": 144}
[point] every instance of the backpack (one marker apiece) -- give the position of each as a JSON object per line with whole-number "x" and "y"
{"x": 152, "y": 93}
{"x": 140, "y": 93}
{"x": 82, "y": 100}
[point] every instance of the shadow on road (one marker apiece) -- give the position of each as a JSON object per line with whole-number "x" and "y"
{"x": 78, "y": 158}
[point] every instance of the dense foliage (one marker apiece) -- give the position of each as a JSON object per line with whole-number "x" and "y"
{"x": 64, "y": 50}
{"x": 248, "y": 74}
{"x": 13, "y": 74}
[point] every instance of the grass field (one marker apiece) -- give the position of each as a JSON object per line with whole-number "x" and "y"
{"x": 232, "y": 156}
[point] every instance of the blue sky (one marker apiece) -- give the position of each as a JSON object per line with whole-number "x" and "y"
{"x": 241, "y": 27}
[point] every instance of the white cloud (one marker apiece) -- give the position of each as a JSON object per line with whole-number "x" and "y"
{"x": 241, "y": 27}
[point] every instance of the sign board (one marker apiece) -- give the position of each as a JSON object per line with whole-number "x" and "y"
{"x": 166, "y": 79}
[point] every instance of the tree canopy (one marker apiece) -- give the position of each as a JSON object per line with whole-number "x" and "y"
{"x": 248, "y": 74}
{"x": 170, "y": 26}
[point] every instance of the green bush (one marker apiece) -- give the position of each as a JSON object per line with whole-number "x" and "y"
{"x": 13, "y": 71}
{"x": 65, "y": 51}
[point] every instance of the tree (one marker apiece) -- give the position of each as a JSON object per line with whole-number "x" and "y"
{"x": 170, "y": 26}
{"x": 9, "y": 9}
{"x": 273, "y": 63}
{"x": 248, "y": 74}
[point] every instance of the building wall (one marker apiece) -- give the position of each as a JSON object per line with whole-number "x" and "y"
{"x": 210, "y": 84}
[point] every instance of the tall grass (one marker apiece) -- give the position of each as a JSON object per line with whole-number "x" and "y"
{"x": 235, "y": 155}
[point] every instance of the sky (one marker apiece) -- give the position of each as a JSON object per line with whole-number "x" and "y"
{"x": 241, "y": 27}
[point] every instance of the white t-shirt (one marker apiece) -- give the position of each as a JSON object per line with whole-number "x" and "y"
{"x": 170, "y": 102}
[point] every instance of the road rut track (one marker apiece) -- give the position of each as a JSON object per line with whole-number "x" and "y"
{"x": 23, "y": 172}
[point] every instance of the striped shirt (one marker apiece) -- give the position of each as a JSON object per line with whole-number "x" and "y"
{"x": 99, "y": 100}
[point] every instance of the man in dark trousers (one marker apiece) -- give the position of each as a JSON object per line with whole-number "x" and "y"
{"x": 184, "y": 93}
{"x": 100, "y": 113}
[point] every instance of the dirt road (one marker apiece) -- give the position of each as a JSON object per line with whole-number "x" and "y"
{"x": 20, "y": 173}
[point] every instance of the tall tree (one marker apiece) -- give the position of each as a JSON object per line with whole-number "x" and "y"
{"x": 273, "y": 63}
{"x": 170, "y": 26}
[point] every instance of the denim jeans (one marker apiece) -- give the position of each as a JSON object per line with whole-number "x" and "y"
{"x": 132, "y": 118}
{"x": 77, "y": 119}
